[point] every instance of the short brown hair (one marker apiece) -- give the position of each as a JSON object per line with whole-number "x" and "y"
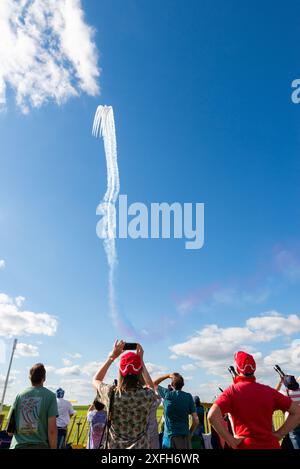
{"x": 37, "y": 373}
{"x": 177, "y": 381}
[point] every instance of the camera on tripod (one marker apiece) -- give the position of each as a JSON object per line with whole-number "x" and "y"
{"x": 232, "y": 371}
{"x": 279, "y": 371}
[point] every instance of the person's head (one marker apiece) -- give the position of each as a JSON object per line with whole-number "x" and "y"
{"x": 245, "y": 364}
{"x": 98, "y": 405}
{"x": 37, "y": 374}
{"x": 177, "y": 382}
{"x": 130, "y": 372}
{"x": 197, "y": 401}
{"x": 291, "y": 383}
{"x": 60, "y": 393}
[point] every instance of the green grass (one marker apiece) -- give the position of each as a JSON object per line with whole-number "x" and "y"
{"x": 79, "y": 433}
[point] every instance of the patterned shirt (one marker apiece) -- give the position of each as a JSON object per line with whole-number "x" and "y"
{"x": 130, "y": 417}
{"x": 97, "y": 420}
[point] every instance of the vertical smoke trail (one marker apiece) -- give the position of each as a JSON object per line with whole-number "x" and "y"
{"x": 104, "y": 126}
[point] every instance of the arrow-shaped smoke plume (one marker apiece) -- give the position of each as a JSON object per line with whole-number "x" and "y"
{"x": 104, "y": 126}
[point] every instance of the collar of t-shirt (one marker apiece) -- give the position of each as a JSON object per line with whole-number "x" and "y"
{"x": 244, "y": 379}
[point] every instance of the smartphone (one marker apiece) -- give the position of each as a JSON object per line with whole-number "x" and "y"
{"x": 130, "y": 346}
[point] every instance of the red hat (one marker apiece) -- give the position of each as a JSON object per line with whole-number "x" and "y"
{"x": 245, "y": 363}
{"x": 130, "y": 364}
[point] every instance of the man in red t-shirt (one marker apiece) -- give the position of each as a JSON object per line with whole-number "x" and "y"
{"x": 251, "y": 406}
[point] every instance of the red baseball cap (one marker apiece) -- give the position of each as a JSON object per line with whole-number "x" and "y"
{"x": 245, "y": 363}
{"x": 130, "y": 364}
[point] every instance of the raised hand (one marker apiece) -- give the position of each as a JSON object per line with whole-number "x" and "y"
{"x": 117, "y": 349}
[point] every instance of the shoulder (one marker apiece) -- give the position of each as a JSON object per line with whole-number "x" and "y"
{"x": 104, "y": 388}
{"x": 185, "y": 395}
{"x": 148, "y": 392}
{"x": 268, "y": 389}
{"x": 227, "y": 393}
{"x": 24, "y": 393}
{"x": 49, "y": 394}
{"x": 163, "y": 392}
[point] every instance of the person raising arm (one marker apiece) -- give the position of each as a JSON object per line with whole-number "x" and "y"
{"x": 129, "y": 402}
{"x": 178, "y": 406}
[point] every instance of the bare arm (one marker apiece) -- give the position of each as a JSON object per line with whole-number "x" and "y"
{"x": 215, "y": 418}
{"x": 147, "y": 377}
{"x": 278, "y": 387}
{"x": 291, "y": 422}
{"x": 145, "y": 373}
{"x": 157, "y": 381}
{"x": 52, "y": 432}
{"x": 195, "y": 422}
{"x": 116, "y": 352}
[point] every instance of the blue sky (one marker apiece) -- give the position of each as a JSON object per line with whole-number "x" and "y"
{"x": 201, "y": 93}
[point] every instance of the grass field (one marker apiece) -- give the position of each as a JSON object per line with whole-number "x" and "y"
{"x": 78, "y": 428}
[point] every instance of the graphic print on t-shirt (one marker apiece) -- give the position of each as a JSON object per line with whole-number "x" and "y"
{"x": 29, "y": 415}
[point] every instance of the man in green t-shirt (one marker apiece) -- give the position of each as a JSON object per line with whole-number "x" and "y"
{"x": 34, "y": 413}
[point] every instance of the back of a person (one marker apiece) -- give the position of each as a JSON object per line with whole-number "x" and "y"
{"x": 97, "y": 421}
{"x": 65, "y": 410}
{"x": 31, "y": 414}
{"x": 200, "y": 413}
{"x": 177, "y": 406}
{"x": 153, "y": 426}
{"x": 294, "y": 395}
{"x": 130, "y": 418}
{"x": 252, "y": 411}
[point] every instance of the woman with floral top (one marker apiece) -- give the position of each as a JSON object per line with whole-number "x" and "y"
{"x": 132, "y": 400}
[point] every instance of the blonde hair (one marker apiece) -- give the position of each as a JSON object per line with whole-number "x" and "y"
{"x": 129, "y": 383}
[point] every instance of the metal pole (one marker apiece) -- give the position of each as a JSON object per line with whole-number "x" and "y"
{"x": 8, "y": 373}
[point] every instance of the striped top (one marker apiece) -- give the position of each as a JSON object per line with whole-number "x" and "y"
{"x": 295, "y": 396}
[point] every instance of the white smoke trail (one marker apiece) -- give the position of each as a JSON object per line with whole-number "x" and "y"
{"x": 104, "y": 126}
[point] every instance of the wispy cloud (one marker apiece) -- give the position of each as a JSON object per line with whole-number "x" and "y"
{"x": 280, "y": 269}
{"x": 287, "y": 263}
{"x": 47, "y": 52}
{"x": 74, "y": 355}
{"x": 2, "y": 264}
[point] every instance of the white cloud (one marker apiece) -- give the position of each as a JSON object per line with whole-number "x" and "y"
{"x": 67, "y": 362}
{"x": 155, "y": 369}
{"x": 74, "y": 355}
{"x": 16, "y": 321}
{"x": 275, "y": 324}
{"x": 11, "y": 381}
{"x": 189, "y": 367}
{"x": 77, "y": 389}
{"x": 288, "y": 357}
{"x": 88, "y": 369}
{"x": 213, "y": 347}
{"x": 50, "y": 368}
{"x": 20, "y": 300}
{"x": 73, "y": 370}
{"x": 2, "y": 264}
{"x": 46, "y": 52}
{"x": 26, "y": 350}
